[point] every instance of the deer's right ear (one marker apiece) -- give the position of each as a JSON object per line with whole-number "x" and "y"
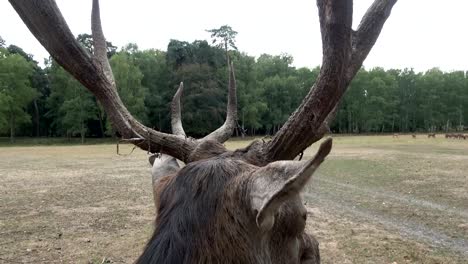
{"x": 279, "y": 181}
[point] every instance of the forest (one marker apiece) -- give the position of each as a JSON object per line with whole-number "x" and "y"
{"x": 46, "y": 101}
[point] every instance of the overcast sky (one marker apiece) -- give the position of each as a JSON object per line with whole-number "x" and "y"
{"x": 420, "y": 33}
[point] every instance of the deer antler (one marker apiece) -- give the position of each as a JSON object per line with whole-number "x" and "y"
{"x": 176, "y": 117}
{"x": 43, "y": 18}
{"x": 344, "y": 51}
{"x": 99, "y": 41}
{"x": 223, "y": 133}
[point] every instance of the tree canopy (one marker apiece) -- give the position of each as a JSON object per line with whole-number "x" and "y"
{"x": 47, "y": 101}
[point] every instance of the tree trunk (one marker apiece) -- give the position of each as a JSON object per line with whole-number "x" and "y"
{"x": 37, "y": 119}
{"x": 243, "y": 127}
{"x": 350, "y": 122}
{"x": 460, "y": 118}
{"x": 406, "y": 122}
{"x": 101, "y": 120}
{"x": 12, "y": 128}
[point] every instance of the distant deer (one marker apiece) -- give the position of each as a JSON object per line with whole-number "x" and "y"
{"x": 431, "y": 135}
{"x": 240, "y": 206}
{"x": 395, "y": 135}
{"x": 413, "y": 135}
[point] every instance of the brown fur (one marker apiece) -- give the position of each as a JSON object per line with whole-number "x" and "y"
{"x": 431, "y": 135}
{"x": 159, "y": 186}
{"x": 197, "y": 226}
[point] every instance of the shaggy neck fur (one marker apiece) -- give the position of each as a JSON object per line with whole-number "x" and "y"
{"x": 199, "y": 226}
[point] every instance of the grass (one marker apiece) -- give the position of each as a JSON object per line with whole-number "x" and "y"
{"x": 53, "y": 141}
{"x": 376, "y": 199}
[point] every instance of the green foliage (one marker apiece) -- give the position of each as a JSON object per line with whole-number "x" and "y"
{"x": 70, "y": 105}
{"x": 87, "y": 41}
{"x": 403, "y": 101}
{"x": 15, "y": 91}
{"x": 269, "y": 89}
{"x": 157, "y": 79}
{"x": 223, "y": 37}
{"x": 128, "y": 78}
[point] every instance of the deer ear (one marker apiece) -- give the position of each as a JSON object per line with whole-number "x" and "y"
{"x": 279, "y": 181}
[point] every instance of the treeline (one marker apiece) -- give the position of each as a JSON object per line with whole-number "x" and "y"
{"x": 47, "y": 101}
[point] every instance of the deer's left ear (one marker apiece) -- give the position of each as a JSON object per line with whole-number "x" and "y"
{"x": 279, "y": 181}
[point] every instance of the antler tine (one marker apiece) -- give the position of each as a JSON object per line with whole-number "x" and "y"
{"x": 296, "y": 134}
{"x": 176, "y": 117}
{"x": 367, "y": 33}
{"x": 223, "y": 133}
{"x": 44, "y": 19}
{"x": 363, "y": 40}
{"x": 343, "y": 53}
{"x": 99, "y": 41}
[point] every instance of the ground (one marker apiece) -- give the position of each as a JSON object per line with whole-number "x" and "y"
{"x": 376, "y": 199}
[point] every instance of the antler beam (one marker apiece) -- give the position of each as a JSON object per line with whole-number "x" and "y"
{"x": 223, "y": 133}
{"x": 335, "y": 24}
{"x": 344, "y": 51}
{"x": 43, "y": 18}
{"x": 176, "y": 116}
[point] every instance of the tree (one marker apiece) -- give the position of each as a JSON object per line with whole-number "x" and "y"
{"x": 70, "y": 105}
{"x": 224, "y": 37}
{"x": 39, "y": 82}
{"x": 252, "y": 104}
{"x": 157, "y": 78}
{"x": 15, "y": 91}
{"x": 128, "y": 78}
{"x": 87, "y": 41}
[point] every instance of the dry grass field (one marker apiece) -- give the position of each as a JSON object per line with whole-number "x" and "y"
{"x": 376, "y": 199}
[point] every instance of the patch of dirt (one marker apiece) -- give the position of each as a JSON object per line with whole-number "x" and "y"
{"x": 84, "y": 204}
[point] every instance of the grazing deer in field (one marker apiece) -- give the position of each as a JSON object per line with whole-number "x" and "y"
{"x": 431, "y": 135}
{"x": 240, "y": 206}
{"x": 395, "y": 135}
{"x": 413, "y": 135}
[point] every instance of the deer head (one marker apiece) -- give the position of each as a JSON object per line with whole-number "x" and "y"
{"x": 239, "y": 206}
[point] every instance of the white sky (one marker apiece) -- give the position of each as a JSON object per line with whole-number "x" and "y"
{"x": 420, "y": 33}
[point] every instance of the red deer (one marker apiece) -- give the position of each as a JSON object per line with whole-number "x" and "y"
{"x": 413, "y": 135}
{"x": 431, "y": 135}
{"x": 240, "y": 206}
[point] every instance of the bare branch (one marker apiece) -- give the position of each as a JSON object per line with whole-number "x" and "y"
{"x": 223, "y": 133}
{"x": 100, "y": 45}
{"x": 176, "y": 117}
